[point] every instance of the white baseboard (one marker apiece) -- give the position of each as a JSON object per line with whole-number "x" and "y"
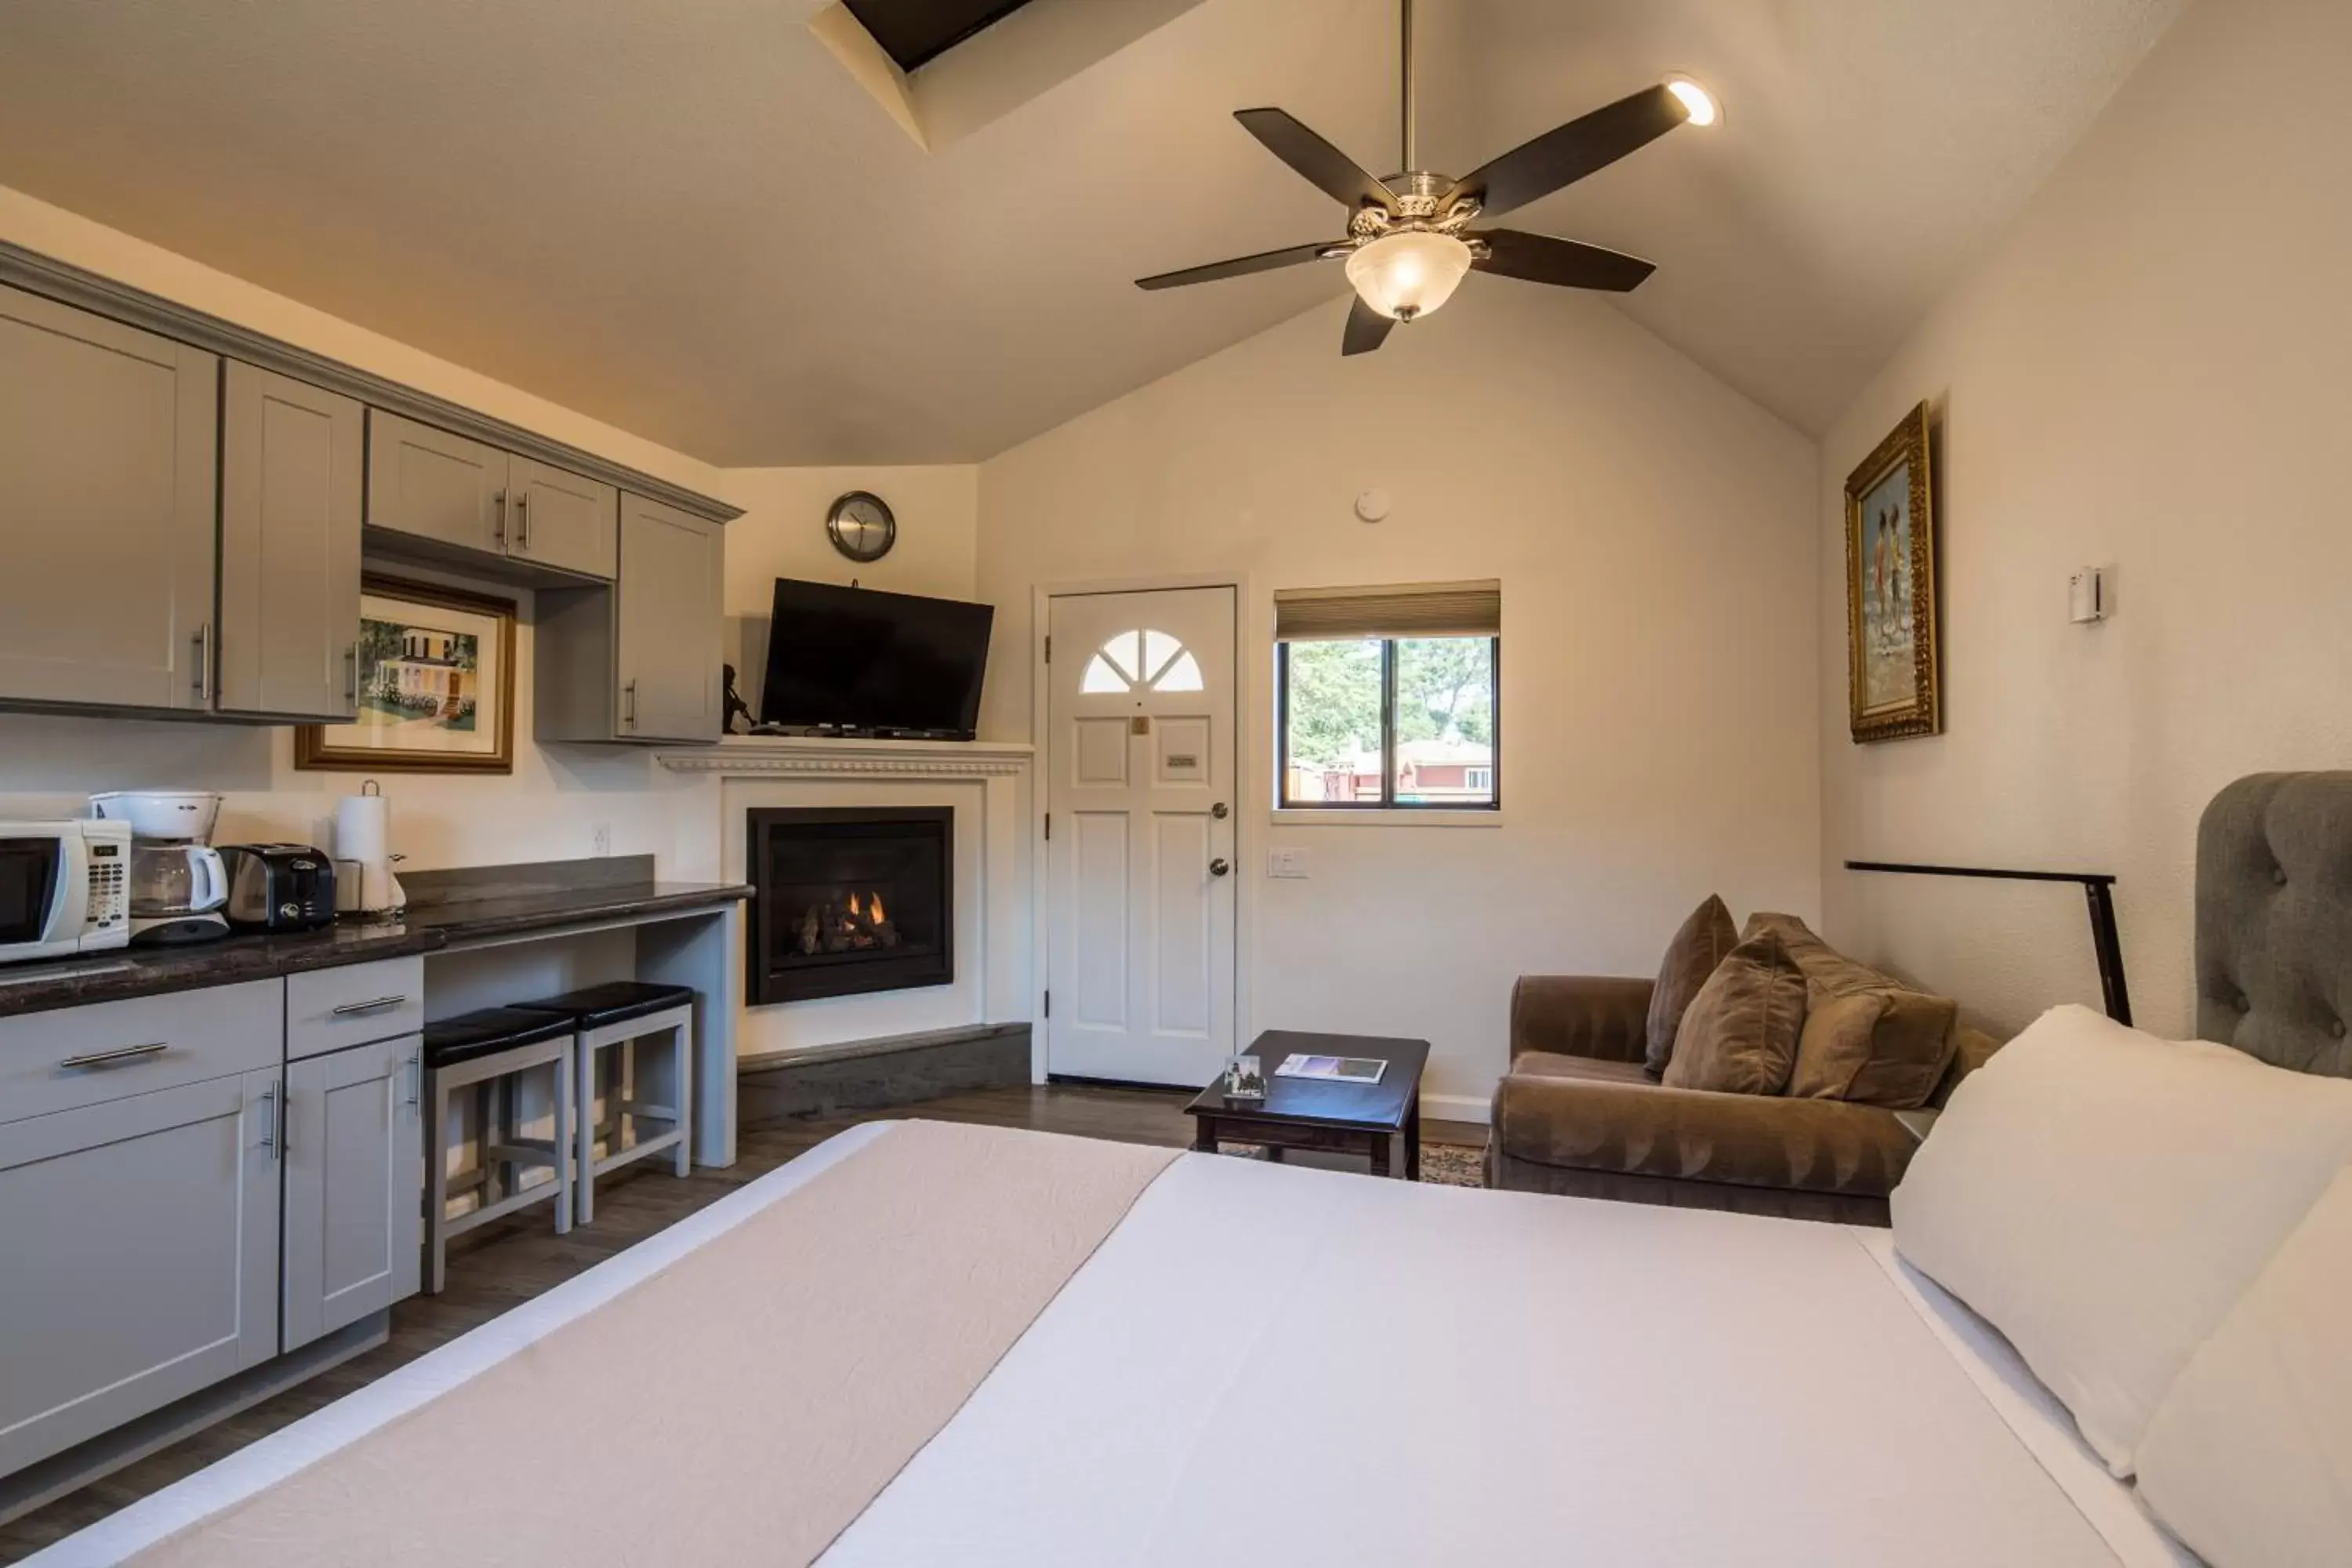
{"x": 1456, "y": 1108}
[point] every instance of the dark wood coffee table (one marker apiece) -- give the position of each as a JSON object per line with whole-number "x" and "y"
{"x": 1318, "y": 1114}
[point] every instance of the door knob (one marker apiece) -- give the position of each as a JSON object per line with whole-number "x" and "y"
{"x": 1219, "y": 811}
{"x": 1219, "y": 866}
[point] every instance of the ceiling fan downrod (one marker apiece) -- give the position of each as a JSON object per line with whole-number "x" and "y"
{"x": 1405, "y": 54}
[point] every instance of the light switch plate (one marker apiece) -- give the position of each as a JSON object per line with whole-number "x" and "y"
{"x": 1286, "y": 863}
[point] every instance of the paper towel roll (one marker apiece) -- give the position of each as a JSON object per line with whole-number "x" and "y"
{"x": 363, "y": 833}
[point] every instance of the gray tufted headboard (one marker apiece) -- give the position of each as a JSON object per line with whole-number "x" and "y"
{"x": 2274, "y": 920}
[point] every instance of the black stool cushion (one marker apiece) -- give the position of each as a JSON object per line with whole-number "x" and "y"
{"x": 615, "y": 1002}
{"x": 489, "y": 1032}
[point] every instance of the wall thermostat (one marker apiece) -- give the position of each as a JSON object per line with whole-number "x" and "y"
{"x": 1371, "y": 505}
{"x": 2086, "y": 595}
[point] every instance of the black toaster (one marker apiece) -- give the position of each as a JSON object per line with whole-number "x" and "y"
{"x": 278, "y": 886}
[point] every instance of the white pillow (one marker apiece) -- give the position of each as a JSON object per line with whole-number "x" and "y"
{"x": 2249, "y": 1459}
{"x": 2103, "y": 1198}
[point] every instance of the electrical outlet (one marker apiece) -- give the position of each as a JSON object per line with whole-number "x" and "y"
{"x": 601, "y": 839}
{"x": 1286, "y": 863}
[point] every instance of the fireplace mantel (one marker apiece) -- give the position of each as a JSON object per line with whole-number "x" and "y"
{"x": 815, "y": 756}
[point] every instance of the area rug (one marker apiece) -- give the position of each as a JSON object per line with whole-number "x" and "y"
{"x": 1445, "y": 1164}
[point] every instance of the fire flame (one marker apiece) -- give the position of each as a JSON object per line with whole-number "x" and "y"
{"x": 853, "y": 906}
{"x": 873, "y": 908}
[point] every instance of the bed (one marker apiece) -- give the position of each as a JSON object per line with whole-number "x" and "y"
{"x": 932, "y": 1344}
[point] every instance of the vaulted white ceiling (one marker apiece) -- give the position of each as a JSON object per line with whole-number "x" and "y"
{"x": 688, "y": 220}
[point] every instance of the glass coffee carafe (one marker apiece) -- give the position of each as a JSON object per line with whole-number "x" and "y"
{"x": 172, "y": 881}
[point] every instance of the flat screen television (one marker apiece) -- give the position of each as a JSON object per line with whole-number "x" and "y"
{"x": 862, "y": 660}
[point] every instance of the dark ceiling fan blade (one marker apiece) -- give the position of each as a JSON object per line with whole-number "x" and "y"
{"x": 1565, "y": 154}
{"x": 1367, "y": 330}
{"x": 1540, "y": 258}
{"x": 1240, "y": 266}
{"x": 1330, "y": 171}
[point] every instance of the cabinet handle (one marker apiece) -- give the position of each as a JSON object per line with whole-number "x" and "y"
{"x": 203, "y": 647}
{"x": 629, "y": 703}
{"x": 269, "y": 1139}
{"x": 415, "y": 1079}
{"x": 499, "y": 528}
{"x": 522, "y": 521}
{"x": 119, "y": 1055}
{"x": 353, "y": 1009}
{"x": 352, "y": 675}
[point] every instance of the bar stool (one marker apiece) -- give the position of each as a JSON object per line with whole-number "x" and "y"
{"x": 632, "y": 1015}
{"x": 488, "y": 1052}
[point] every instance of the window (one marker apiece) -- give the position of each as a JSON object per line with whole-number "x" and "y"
{"x": 1389, "y": 698}
{"x": 1151, "y": 659}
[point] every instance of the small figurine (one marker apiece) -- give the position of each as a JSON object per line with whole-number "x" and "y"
{"x": 735, "y": 704}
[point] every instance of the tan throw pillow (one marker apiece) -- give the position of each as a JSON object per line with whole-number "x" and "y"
{"x": 1868, "y": 1037}
{"x": 1691, "y": 957}
{"x": 1739, "y": 1035}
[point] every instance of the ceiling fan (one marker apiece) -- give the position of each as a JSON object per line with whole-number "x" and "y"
{"x": 1409, "y": 240}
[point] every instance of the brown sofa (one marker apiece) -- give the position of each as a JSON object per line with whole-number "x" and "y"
{"x": 1577, "y": 1115}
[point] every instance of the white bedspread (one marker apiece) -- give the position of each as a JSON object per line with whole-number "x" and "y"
{"x": 1271, "y": 1364}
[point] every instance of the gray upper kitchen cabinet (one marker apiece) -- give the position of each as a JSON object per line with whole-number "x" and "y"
{"x": 354, "y": 1175}
{"x": 448, "y": 498}
{"x": 560, "y": 519}
{"x": 431, "y": 485}
{"x": 292, "y": 479}
{"x": 141, "y": 1256}
{"x": 107, "y": 460}
{"x": 639, "y": 662}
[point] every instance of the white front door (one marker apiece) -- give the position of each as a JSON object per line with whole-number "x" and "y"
{"x": 1140, "y": 834}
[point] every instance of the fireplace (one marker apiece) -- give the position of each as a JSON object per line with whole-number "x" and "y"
{"x": 849, "y": 902}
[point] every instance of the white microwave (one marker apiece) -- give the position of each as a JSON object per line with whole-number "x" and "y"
{"x": 65, "y": 888}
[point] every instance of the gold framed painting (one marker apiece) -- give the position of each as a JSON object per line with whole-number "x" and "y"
{"x": 436, "y": 684}
{"x": 1893, "y": 675}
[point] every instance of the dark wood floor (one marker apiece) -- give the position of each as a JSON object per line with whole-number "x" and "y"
{"x": 505, "y": 1263}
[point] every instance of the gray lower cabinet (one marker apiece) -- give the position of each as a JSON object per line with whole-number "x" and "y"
{"x": 141, "y": 1256}
{"x": 108, "y": 459}
{"x": 354, "y": 1145}
{"x": 292, "y": 456}
{"x": 430, "y": 488}
{"x": 640, "y": 660}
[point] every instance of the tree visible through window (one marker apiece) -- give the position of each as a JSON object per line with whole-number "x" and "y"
{"x": 1389, "y": 722}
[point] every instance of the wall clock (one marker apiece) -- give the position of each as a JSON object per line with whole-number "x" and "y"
{"x": 861, "y": 527}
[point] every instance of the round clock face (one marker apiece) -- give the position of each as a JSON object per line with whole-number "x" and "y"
{"x": 861, "y": 526}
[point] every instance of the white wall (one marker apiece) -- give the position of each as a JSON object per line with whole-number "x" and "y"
{"x": 550, "y": 806}
{"x": 2153, "y": 371}
{"x": 1653, "y": 531}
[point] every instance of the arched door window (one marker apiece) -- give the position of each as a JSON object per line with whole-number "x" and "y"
{"x": 1145, "y": 658}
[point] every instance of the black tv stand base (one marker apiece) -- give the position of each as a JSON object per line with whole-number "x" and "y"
{"x": 847, "y": 733}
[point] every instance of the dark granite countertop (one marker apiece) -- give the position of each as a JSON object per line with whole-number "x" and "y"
{"x": 447, "y": 909}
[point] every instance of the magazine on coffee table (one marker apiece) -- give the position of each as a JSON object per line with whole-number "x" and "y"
{"x": 1338, "y": 1069}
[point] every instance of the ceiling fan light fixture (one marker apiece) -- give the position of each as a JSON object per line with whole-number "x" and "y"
{"x": 1407, "y": 275}
{"x": 1701, "y": 103}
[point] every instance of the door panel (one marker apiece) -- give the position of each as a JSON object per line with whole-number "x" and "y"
{"x": 667, "y": 639}
{"x": 291, "y": 483}
{"x": 1139, "y": 733}
{"x": 142, "y": 1257}
{"x": 432, "y": 485}
{"x": 354, "y": 1185}
{"x": 563, "y": 520}
{"x": 108, "y": 459}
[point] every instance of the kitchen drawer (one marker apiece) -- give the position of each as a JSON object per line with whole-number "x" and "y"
{"x": 83, "y": 1055}
{"x": 327, "y": 1009}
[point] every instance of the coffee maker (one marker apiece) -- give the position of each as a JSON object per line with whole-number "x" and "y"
{"x": 177, "y": 881}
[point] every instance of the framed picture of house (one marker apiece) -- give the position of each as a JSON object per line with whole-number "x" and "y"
{"x": 435, "y": 673}
{"x": 1892, "y": 671}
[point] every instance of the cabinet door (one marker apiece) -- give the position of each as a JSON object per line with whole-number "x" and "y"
{"x": 291, "y": 457}
{"x": 432, "y": 485}
{"x": 107, "y": 461}
{"x": 142, "y": 1257}
{"x": 667, "y": 634}
{"x": 562, "y": 519}
{"x": 354, "y": 1185}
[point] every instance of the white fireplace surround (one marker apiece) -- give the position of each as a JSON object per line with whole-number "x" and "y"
{"x": 987, "y": 784}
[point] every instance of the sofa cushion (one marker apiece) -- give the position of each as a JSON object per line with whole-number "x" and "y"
{"x": 1868, "y": 1037}
{"x": 1701, "y": 944}
{"x": 1740, "y": 1033}
{"x": 1577, "y": 1114}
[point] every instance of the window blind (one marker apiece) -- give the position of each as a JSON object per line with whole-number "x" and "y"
{"x": 1397, "y": 610}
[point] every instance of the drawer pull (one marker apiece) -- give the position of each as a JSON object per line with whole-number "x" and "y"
{"x": 354, "y": 1009}
{"x": 120, "y": 1054}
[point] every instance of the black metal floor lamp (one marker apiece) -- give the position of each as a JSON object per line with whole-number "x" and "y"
{"x": 2097, "y": 891}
